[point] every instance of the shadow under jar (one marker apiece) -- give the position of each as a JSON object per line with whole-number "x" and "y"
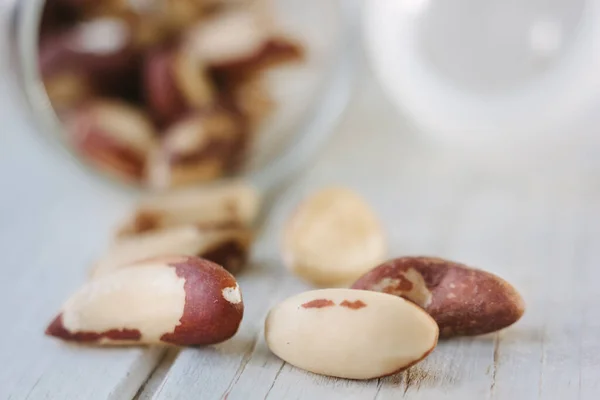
{"x": 160, "y": 94}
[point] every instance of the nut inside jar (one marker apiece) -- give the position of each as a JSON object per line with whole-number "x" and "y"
{"x": 169, "y": 93}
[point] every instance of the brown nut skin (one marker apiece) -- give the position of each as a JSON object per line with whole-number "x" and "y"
{"x": 177, "y": 300}
{"x": 57, "y": 15}
{"x": 275, "y": 51}
{"x": 201, "y": 147}
{"x": 174, "y": 84}
{"x": 463, "y": 301}
{"x": 113, "y": 136}
{"x": 100, "y": 47}
{"x": 160, "y": 91}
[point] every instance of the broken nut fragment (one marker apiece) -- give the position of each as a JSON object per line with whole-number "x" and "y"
{"x": 112, "y": 135}
{"x": 332, "y": 238}
{"x": 349, "y": 333}
{"x": 222, "y": 205}
{"x": 228, "y": 247}
{"x": 198, "y": 148}
{"x": 463, "y": 301}
{"x": 176, "y": 300}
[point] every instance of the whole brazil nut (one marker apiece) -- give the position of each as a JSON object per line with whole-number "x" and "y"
{"x": 113, "y": 135}
{"x": 175, "y": 83}
{"x": 230, "y": 204}
{"x": 333, "y": 238}
{"x": 463, "y": 301}
{"x": 198, "y": 148}
{"x": 171, "y": 300}
{"x": 228, "y": 247}
{"x": 350, "y": 333}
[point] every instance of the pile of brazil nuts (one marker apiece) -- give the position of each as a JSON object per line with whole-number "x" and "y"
{"x": 167, "y": 279}
{"x": 393, "y": 312}
{"x": 161, "y": 93}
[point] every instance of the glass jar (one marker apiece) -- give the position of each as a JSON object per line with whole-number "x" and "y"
{"x": 309, "y": 93}
{"x": 504, "y": 83}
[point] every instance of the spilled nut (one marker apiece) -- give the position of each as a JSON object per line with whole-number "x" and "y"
{"x": 349, "y": 333}
{"x": 333, "y": 238}
{"x": 228, "y": 247}
{"x": 228, "y": 204}
{"x": 173, "y": 300}
{"x": 463, "y": 301}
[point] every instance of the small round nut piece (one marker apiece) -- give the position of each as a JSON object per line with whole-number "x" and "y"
{"x": 176, "y": 300}
{"x": 333, "y": 238}
{"x": 348, "y": 333}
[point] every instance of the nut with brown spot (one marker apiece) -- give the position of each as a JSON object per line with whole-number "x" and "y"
{"x": 175, "y": 83}
{"x": 112, "y": 135}
{"x": 230, "y": 204}
{"x": 198, "y": 148}
{"x": 378, "y": 336}
{"x": 462, "y": 300}
{"x": 333, "y": 238}
{"x": 172, "y": 300}
{"x": 100, "y": 46}
{"x": 228, "y": 247}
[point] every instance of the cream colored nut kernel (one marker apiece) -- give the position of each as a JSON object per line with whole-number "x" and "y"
{"x": 193, "y": 80}
{"x": 228, "y": 37}
{"x": 67, "y": 89}
{"x": 230, "y": 204}
{"x": 333, "y": 238}
{"x": 197, "y": 148}
{"x": 176, "y": 300}
{"x": 112, "y": 135}
{"x": 228, "y": 247}
{"x": 350, "y": 333}
{"x": 253, "y": 99}
{"x": 462, "y": 300}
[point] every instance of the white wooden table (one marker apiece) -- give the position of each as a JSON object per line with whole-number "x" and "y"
{"x": 539, "y": 229}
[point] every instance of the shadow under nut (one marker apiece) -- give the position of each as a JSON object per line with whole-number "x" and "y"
{"x": 463, "y": 301}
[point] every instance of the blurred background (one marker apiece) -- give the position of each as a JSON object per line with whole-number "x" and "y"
{"x": 136, "y": 90}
